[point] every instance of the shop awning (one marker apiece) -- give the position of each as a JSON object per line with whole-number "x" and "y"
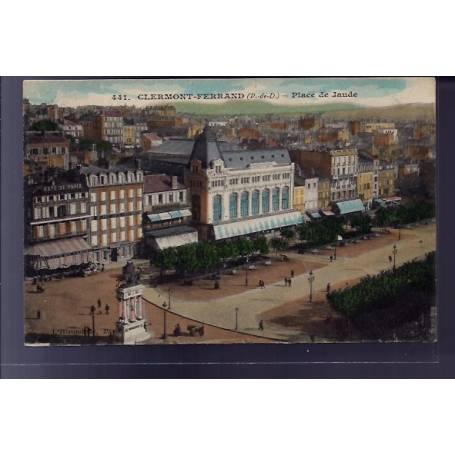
{"x": 266, "y": 223}
{"x": 314, "y": 215}
{"x": 172, "y": 215}
{"x": 353, "y": 206}
{"x": 174, "y": 237}
{"x": 59, "y": 253}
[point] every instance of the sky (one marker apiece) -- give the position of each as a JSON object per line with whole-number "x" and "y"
{"x": 374, "y": 92}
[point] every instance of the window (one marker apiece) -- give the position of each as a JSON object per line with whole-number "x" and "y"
{"x": 233, "y": 199}
{"x": 112, "y": 195}
{"x": 265, "y": 201}
{"x": 103, "y": 195}
{"x": 61, "y": 211}
{"x": 160, "y": 198}
{"x": 244, "y": 204}
{"x": 217, "y": 208}
{"x": 171, "y": 198}
{"x": 276, "y": 199}
{"x": 181, "y": 196}
{"x": 255, "y": 202}
{"x": 285, "y": 198}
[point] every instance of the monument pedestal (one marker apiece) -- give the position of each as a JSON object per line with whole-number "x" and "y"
{"x": 132, "y": 327}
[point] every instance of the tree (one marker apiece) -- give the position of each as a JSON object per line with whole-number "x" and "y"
{"x": 278, "y": 244}
{"x": 186, "y": 259}
{"x": 362, "y": 223}
{"x": 260, "y": 244}
{"x": 165, "y": 260}
{"x": 288, "y": 233}
{"x": 207, "y": 255}
{"x": 244, "y": 246}
{"x": 44, "y": 125}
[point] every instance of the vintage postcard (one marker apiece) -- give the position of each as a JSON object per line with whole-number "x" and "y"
{"x": 272, "y": 210}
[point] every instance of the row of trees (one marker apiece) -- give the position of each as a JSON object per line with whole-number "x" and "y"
{"x": 321, "y": 232}
{"x": 404, "y": 214}
{"x": 207, "y": 256}
{"x": 387, "y": 289}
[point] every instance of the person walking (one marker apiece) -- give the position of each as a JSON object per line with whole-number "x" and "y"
{"x": 99, "y": 303}
{"x": 261, "y": 325}
{"x": 106, "y": 309}
{"x": 292, "y": 273}
{"x": 289, "y": 282}
{"x": 328, "y": 288}
{"x": 331, "y": 258}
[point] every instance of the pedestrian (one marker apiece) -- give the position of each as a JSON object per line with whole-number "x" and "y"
{"x": 263, "y": 284}
{"x": 106, "y": 309}
{"x": 289, "y": 282}
{"x": 328, "y": 288}
{"x": 261, "y": 325}
{"x": 99, "y": 303}
{"x": 331, "y": 258}
{"x": 390, "y": 259}
{"x": 102, "y": 267}
{"x": 292, "y": 273}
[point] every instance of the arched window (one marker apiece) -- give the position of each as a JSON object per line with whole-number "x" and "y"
{"x": 121, "y": 177}
{"x": 266, "y": 201}
{"x": 285, "y": 198}
{"x": 217, "y": 208}
{"x": 276, "y": 199}
{"x": 255, "y": 202}
{"x": 233, "y": 199}
{"x": 93, "y": 180}
{"x": 103, "y": 179}
{"x": 244, "y": 205}
{"x": 112, "y": 178}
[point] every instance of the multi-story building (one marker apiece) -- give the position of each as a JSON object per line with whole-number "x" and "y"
{"x": 166, "y": 212}
{"x": 323, "y": 193}
{"x": 368, "y": 164}
{"x": 311, "y": 192}
{"x": 105, "y": 127}
{"x": 365, "y": 185}
{"x": 387, "y": 175}
{"x": 73, "y": 129}
{"x": 47, "y": 149}
{"x": 239, "y": 192}
{"x": 56, "y": 217}
{"x": 338, "y": 163}
{"x": 129, "y": 135}
{"x": 150, "y": 140}
{"x": 115, "y": 211}
{"x": 299, "y": 195}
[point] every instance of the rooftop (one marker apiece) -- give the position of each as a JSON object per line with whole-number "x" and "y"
{"x": 157, "y": 183}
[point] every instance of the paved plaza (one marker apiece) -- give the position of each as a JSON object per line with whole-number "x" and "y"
{"x": 285, "y": 311}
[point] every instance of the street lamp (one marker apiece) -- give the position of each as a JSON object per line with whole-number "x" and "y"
{"x": 394, "y": 251}
{"x": 246, "y": 272}
{"x": 335, "y": 253}
{"x": 236, "y": 318}
{"x": 92, "y": 313}
{"x": 310, "y": 280}
{"x": 164, "y": 320}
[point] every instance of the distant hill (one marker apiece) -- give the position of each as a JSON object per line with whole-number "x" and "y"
{"x": 254, "y": 108}
{"x": 336, "y": 111}
{"x": 411, "y": 112}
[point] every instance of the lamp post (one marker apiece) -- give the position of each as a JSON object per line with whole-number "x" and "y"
{"x": 236, "y": 318}
{"x": 310, "y": 280}
{"x": 92, "y": 313}
{"x": 335, "y": 253}
{"x": 164, "y": 320}
{"x": 394, "y": 251}
{"x": 169, "y": 298}
{"x": 246, "y": 272}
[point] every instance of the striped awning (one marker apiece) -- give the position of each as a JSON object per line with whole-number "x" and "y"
{"x": 59, "y": 253}
{"x": 346, "y": 207}
{"x": 176, "y": 240}
{"x": 266, "y": 223}
{"x": 172, "y": 215}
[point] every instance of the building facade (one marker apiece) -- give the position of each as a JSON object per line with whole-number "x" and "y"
{"x": 239, "y": 192}
{"x": 49, "y": 150}
{"x": 386, "y": 180}
{"x": 324, "y": 193}
{"x": 56, "y": 221}
{"x": 166, "y": 213}
{"x": 115, "y": 211}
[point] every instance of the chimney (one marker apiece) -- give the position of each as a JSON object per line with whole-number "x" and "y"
{"x": 174, "y": 182}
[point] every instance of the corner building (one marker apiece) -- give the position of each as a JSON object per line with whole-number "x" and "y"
{"x": 235, "y": 193}
{"x": 115, "y": 211}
